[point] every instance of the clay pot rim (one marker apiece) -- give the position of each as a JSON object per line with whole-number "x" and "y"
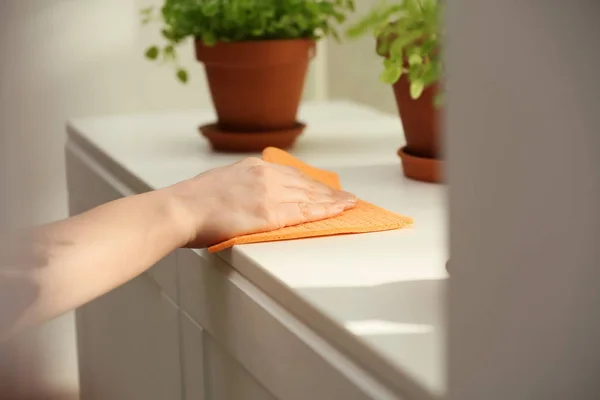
{"x": 423, "y": 169}
{"x": 256, "y": 42}
{"x": 259, "y": 53}
{"x": 404, "y": 153}
{"x": 214, "y": 127}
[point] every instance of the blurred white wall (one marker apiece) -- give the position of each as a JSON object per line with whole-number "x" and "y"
{"x": 353, "y": 68}
{"x": 66, "y": 58}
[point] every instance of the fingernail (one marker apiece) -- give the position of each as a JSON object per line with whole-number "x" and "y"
{"x": 350, "y": 198}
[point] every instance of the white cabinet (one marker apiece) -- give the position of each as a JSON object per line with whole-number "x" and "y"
{"x": 192, "y": 359}
{"x": 209, "y": 372}
{"x": 129, "y": 344}
{"x": 226, "y": 379}
{"x": 279, "y": 351}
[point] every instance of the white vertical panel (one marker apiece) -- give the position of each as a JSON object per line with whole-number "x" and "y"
{"x": 353, "y": 68}
{"x": 318, "y": 77}
{"x": 192, "y": 358}
{"x": 524, "y": 171}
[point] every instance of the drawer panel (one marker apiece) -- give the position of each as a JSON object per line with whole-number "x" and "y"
{"x": 281, "y": 353}
{"x": 227, "y": 379}
{"x": 192, "y": 359}
{"x": 128, "y": 344}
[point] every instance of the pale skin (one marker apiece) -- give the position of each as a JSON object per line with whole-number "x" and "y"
{"x": 75, "y": 260}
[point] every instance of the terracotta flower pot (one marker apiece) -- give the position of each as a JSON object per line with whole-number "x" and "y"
{"x": 420, "y": 119}
{"x": 421, "y": 157}
{"x": 256, "y": 86}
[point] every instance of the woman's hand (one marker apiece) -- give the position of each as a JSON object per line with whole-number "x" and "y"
{"x": 252, "y": 196}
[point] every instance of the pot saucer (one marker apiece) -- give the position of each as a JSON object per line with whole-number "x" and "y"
{"x": 420, "y": 168}
{"x": 250, "y": 142}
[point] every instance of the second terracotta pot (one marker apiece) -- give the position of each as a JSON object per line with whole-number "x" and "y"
{"x": 420, "y": 120}
{"x": 256, "y": 86}
{"x": 421, "y": 157}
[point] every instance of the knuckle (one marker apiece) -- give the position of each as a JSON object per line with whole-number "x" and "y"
{"x": 310, "y": 195}
{"x": 259, "y": 170}
{"x": 262, "y": 191}
{"x": 293, "y": 170}
{"x": 266, "y": 214}
{"x": 261, "y": 210}
{"x": 252, "y": 161}
{"x": 305, "y": 210}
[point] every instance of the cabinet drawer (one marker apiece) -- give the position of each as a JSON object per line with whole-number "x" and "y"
{"x": 226, "y": 379}
{"x": 209, "y": 372}
{"x": 192, "y": 358}
{"x": 128, "y": 343}
{"x": 281, "y": 353}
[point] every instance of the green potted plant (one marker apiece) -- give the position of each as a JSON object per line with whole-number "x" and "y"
{"x": 255, "y": 54}
{"x": 408, "y": 39}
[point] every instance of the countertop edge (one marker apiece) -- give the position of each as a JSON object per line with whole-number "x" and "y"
{"x": 326, "y": 327}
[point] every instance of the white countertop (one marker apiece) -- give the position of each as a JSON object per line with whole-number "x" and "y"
{"x": 380, "y": 295}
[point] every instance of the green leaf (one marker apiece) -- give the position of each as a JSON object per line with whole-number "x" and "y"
{"x": 213, "y": 21}
{"x": 334, "y": 34}
{"x": 396, "y": 49}
{"x": 152, "y": 53}
{"x": 168, "y": 34}
{"x": 430, "y": 74}
{"x": 146, "y": 10}
{"x": 182, "y": 75}
{"x": 146, "y": 14}
{"x": 415, "y": 59}
{"x": 391, "y": 72}
{"x": 237, "y": 20}
{"x": 169, "y": 53}
{"x": 429, "y": 46}
{"x": 409, "y": 32}
{"x": 383, "y": 48}
{"x": 416, "y": 89}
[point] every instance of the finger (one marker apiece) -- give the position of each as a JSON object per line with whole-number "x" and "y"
{"x": 296, "y": 176}
{"x": 298, "y": 195}
{"x": 294, "y": 179}
{"x": 304, "y": 182}
{"x": 297, "y": 213}
{"x": 251, "y": 161}
{"x": 350, "y": 200}
{"x": 287, "y": 170}
{"x": 323, "y": 194}
{"x": 300, "y": 182}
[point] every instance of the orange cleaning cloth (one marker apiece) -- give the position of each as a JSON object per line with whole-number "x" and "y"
{"x": 365, "y": 217}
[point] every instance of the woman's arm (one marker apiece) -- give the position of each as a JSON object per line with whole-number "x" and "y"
{"x": 73, "y": 261}
{"x": 70, "y": 262}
